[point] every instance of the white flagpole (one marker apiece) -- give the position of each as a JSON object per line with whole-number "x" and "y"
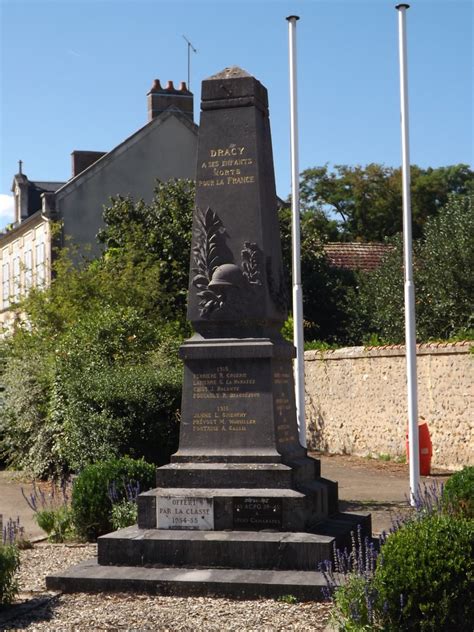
{"x": 410, "y": 329}
{"x": 298, "y": 336}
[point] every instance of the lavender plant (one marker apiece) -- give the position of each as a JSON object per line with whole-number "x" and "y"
{"x": 12, "y": 533}
{"x": 52, "y": 511}
{"x": 429, "y": 501}
{"x": 349, "y": 584}
{"x": 350, "y": 576}
{"x": 131, "y": 489}
{"x": 124, "y": 504}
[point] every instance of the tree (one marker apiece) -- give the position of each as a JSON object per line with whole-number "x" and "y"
{"x": 375, "y": 308}
{"x": 444, "y": 272}
{"x": 325, "y": 292}
{"x": 93, "y": 371}
{"x": 161, "y": 232}
{"x": 367, "y": 201}
{"x": 444, "y": 287}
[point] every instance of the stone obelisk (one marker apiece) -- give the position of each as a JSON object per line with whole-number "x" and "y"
{"x": 238, "y": 402}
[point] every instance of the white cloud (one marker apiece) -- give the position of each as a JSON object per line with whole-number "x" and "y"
{"x": 7, "y": 207}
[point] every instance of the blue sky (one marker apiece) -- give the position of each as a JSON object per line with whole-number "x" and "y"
{"x": 74, "y": 75}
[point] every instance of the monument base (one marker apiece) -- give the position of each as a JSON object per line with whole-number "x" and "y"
{"x": 244, "y": 542}
{"x": 241, "y": 510}
{"x": 240, "y": 564}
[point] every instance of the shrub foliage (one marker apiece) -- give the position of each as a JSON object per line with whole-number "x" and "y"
{"x": 458, "y": 493}
{"x": 91, "y": 497}
{"x": 424, "y": 578}
{"x": 421, "y": 578}
{"x": 9, "y": 564}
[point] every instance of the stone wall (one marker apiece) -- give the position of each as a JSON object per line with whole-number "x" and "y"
{"x": 356, "y": 401}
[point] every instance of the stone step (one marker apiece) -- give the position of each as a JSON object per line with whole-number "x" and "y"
{"x": 244, "y": 584}
{"x": 333, "y": 494}
{"x": 342, "y": 525}
{"x": 329, "y": 489}
{"x": 224, "y": 475}
{"x": 228, "y": 549}
{"x": 198, "y": 474}
{"x": 296, "y": 512}
{"x": 305, "y": 469}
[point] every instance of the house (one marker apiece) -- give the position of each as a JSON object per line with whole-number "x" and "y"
{"x": 164, "y": 148}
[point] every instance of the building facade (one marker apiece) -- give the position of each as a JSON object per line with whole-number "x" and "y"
{"x": 164, "y": 148}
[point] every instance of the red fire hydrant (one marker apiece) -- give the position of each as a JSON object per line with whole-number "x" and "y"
{"x": 426, "y": 448}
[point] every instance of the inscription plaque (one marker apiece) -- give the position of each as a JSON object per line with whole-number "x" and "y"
{"x": 185, "y": 512}
{"x": 257, "y": 513}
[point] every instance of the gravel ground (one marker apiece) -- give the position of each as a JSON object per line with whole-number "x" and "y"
{"x": 38, "y": 609}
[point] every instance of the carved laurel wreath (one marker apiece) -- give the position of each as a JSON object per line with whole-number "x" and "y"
{"x": 251, "y": 263}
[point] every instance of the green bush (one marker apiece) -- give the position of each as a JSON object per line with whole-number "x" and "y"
{"x": 124, "y": 514}
{"x": 91, "y": 502}
{"x": 121, "y": 392}
{"x": 458, "y": 493}
{"x": 9, "y": 564}
{"x": 111, "y": 386}
{"x": 58, "y": 523}
{"x": 424, "y": 576}
{"x": 443, "y": 271}
{"x": 26, "y": 441}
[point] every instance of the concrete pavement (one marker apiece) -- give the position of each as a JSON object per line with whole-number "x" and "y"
{"x": 372, "y": 485}
{"x": 13, "y": 505}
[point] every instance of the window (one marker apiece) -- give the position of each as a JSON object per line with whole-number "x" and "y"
{"x": 28, "y": 269}
{"x": 16, "y": 279}
{"x": 5, "y": 285}
{"x": 40, "y": 265}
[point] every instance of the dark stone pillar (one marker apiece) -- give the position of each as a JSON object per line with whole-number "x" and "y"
{"x": 238, "y": 397}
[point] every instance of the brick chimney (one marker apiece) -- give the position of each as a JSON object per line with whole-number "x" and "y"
{"x": 161, "y": 99}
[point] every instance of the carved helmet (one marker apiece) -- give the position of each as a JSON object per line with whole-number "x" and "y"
{"x": 227, "y": 275}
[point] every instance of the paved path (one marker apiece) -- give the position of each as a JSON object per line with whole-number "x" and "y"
{"x": 371, "y": 485}
{"x": 364, "y": 485}
{"x": 13, "y": 505}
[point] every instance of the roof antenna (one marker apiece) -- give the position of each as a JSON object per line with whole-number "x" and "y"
{"x": 20, "y": 165}
{"x": 190, "y": 46}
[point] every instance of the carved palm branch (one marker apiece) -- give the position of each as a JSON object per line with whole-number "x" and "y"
{"x": 206, "y": 258}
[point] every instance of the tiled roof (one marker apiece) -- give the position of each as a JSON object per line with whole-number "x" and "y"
{"x": 355, "y": 256}
{"x": 46, "y": 186}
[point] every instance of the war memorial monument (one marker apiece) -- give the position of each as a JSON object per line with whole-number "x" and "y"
{"x": 241, "y": 509}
